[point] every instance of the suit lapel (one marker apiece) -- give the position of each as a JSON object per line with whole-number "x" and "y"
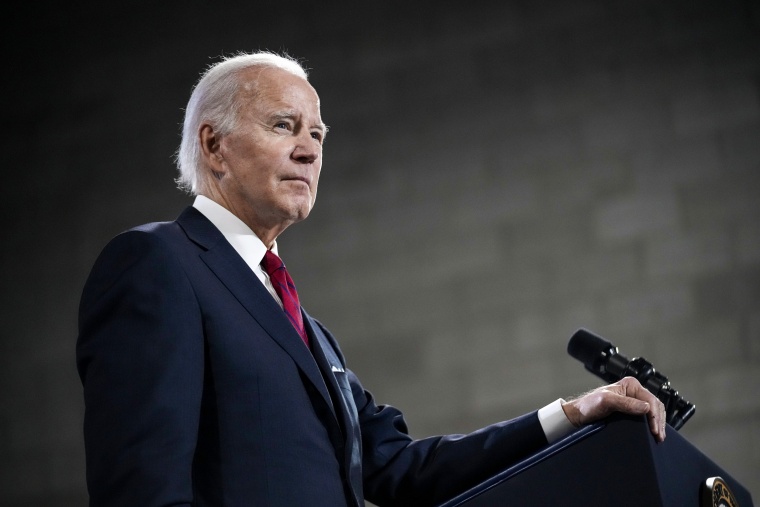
{"x": 326, "y": 361}
{"x": 235, "y": 274}
{"x": 337, "y": 377}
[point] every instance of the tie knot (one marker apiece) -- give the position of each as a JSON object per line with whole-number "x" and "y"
{"x": 271, "y": 262}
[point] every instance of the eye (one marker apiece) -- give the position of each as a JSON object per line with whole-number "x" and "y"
{"x": 317, "y": 136}
{"x": 282, "y": 125}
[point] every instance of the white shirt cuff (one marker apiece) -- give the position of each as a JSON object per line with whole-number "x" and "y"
{"x": 554, "y": 421}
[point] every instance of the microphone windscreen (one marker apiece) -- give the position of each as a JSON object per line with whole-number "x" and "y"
{"x": 587, "y": 347}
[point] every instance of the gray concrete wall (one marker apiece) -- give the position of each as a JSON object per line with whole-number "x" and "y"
{"x": 498, "y": 174}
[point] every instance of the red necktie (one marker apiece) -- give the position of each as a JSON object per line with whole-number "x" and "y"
{"x": 286, "y": 289}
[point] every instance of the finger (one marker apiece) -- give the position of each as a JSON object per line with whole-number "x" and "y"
{"x": 633, "y": 388}
{"x": 657, "y": 425}
{"x": 661, "y": 418}
{"x": 628, "y": 405}
{"x": 656, "y": 415}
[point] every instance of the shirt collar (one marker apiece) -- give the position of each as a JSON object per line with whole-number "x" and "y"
{"x": 236, "y": 232}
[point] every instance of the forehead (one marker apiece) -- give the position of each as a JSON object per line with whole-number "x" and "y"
{"x": 271, "y": 88}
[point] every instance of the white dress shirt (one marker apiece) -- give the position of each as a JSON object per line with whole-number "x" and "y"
{"x": 245, "y": 242}
{"x": 240, "y": 236}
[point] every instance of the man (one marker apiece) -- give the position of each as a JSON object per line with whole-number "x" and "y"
{"x": 206, "y": 383}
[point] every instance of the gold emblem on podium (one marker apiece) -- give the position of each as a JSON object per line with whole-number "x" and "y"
{"x": 716, "y": 493}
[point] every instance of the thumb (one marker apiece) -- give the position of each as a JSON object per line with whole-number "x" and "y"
{"x": 633, "y": 406}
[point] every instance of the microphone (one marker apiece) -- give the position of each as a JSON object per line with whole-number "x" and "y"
{"x": 602, "y": 358}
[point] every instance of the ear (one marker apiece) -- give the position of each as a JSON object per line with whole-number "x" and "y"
{"x": 211, "y": 149}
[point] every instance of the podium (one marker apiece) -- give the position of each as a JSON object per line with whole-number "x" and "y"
{"x": 612, "y": 463}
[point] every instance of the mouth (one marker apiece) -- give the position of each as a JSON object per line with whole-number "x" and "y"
{"x": 298, "y": 178}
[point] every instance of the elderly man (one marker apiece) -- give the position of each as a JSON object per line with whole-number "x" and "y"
{"x": 207, "y": 384}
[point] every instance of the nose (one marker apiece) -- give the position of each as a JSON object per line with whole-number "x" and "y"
{"x": 306, "y": 150}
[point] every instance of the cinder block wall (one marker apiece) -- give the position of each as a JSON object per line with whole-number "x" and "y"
{"x": 497, "y": 175}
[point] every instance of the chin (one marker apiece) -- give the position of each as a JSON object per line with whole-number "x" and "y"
{"x": 299, "y": 213}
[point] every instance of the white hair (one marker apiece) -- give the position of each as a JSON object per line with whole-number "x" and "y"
{"x": 213, "y": 101}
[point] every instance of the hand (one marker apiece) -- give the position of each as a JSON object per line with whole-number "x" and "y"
{"x": 627, "y": 396}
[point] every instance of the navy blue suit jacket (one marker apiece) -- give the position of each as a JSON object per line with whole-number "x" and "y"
{"x": 198, "y": 391}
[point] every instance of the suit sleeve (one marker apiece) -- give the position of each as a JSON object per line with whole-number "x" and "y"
{"x": 401, "y": 471}
{"x": 140, "y": 357}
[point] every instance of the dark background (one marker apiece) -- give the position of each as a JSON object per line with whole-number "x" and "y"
{"x": 498, "y": 174}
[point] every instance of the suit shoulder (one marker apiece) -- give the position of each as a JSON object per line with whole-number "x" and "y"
{"x": 144, "y": 238}
{"x": 149, "y": 251}
{"x": 160, "y": 231}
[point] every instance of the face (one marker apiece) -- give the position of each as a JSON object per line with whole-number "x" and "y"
{"x": 266, "y": 171}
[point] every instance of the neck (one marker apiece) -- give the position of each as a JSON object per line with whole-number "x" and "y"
{"x": 268, "y": 234}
